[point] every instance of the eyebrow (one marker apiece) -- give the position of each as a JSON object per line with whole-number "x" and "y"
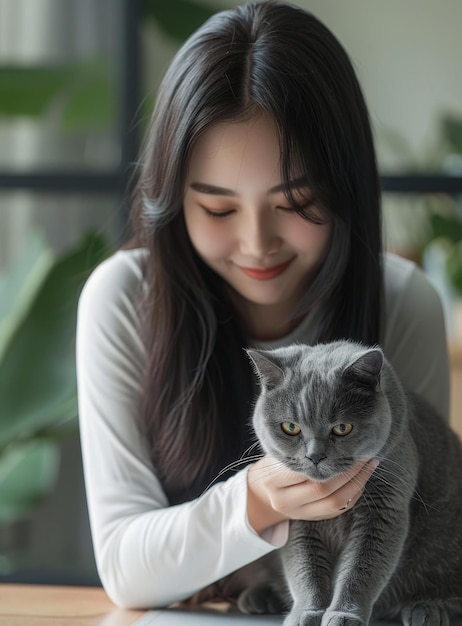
{"x": 215, "y": 190}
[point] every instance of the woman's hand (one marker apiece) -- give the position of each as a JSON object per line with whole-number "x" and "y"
{"x": 276, "y": 493}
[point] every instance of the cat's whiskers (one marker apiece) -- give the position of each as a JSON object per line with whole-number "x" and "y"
{"x": 367, "y": 497}
{"x": 402, "y": 468}
{"x": 234, "y": 466}
{"x": 369, "y": 500}
{"x": 249, "y": 450}
{"x": 382, "y": 476}
{"x": 244, "y": 460}
{"x": 268, "y": 470}
{"x": 353, "y": 477}
{"x": 417, "y": 496}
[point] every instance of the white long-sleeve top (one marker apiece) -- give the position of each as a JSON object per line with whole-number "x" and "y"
{"x": 150, "y": 554}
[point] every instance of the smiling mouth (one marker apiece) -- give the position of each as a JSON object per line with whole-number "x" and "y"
{"x": 267, "y": 273}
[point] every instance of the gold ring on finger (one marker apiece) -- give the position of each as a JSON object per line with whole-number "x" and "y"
{"x": 344, "y": 508}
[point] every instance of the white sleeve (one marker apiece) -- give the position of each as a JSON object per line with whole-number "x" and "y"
{"x": 415, "y": 339}
{"x": 148, "y": 554}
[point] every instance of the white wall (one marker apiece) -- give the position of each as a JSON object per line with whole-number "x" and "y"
{"x": 408, "y": 56}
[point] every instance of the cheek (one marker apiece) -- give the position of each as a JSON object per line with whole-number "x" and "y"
{"x": 312, "y": 240}
{"x": 209, "y": 240}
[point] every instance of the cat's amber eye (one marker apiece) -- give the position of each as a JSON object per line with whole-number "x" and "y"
{"x": 342, "y": 429}
{"x": 290, "y": 428}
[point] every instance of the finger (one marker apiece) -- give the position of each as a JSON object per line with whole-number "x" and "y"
{"x": 283, "y": 477}
{"x": 340, "y": 500}
{"x": 365, "y": 472}
{"x": 358, "y": 474}
{"x": 351, "y": 491}
{"x": 332, "y": 506}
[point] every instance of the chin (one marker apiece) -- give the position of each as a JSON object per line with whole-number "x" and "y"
{"x": 320, "y": 473}
{"x": 302, "y": 466}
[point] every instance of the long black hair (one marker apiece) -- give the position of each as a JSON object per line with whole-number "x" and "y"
{"x": 264, "y": 57}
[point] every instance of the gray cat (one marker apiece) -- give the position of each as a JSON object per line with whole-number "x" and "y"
{"x": 398, "y": 551}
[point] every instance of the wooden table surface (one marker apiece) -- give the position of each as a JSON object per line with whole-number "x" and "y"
{"x": 40, "y": 605}
{"x": 455, "y": 352}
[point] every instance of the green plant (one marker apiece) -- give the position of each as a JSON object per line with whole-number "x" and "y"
{"x": 446, "y": 223}
{"x": 447, "y": 230}
{"x": 38, "y": 296}
{"x": 177, "y": 18}
{"x": 38, "y": 395}
{"x": 78, "y": 95}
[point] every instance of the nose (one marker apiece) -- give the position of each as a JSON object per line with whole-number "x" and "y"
{"x": 316, "y": 458}
{"x": 259, "y": 236}
{"x": 315, "y": 450}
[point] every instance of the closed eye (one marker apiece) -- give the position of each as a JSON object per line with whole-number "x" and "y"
{"x": 291, "y": 208}
{"x": 217, "y": 214}
{"x": 308, "y": 210}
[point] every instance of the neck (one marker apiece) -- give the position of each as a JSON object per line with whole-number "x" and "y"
{"x": 265, "y": 322}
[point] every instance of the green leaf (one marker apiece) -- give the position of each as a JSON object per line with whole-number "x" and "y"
{"x": 27, "y": 473}
{"x": 20, "y": 284}
{"x": 177, "y": 18}
{"x": 37, "y": 372}
{"x": 28, "y": 90}
{"x": 91, "y": 105}
{"x": 446, "y": 227}
{"x": 454, "y": 267}
{"x": 452, "y": 132}
{"x": 82, "y": 92}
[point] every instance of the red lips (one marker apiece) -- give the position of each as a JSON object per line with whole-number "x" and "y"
{"x": 266, "y": 273}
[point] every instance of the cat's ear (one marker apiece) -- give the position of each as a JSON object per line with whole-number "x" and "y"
{"x": 367, "y": 367}
{"x": 266, "y": 367}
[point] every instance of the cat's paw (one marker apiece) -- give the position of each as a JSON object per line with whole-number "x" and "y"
{"x": 430, "y": 613}
{"x": 342, "y": 618}
{"x": 261, "y": 599}
{"x": 299, "y": 616}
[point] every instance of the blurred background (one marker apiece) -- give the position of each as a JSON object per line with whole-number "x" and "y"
{"x": 78, "y": 80}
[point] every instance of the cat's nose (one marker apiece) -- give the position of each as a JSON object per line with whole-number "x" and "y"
{"x": 316, "y": 458}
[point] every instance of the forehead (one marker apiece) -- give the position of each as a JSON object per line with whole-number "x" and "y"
{"x": 237, "y": 154}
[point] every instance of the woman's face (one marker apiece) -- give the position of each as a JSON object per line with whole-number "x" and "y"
{"x": 242, "y": 225}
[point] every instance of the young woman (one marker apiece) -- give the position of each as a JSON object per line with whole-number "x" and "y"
{"x": 258, "y": 224}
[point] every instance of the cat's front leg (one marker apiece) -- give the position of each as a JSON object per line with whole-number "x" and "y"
{"x": 299, "y": 616}
{"x": 308, "y": 569}
{"x": 366, "y": 563}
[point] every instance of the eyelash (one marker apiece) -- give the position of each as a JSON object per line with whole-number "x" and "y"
{"x": 221, "y": 214}
{"x": 214, "y": 214}
{"x": 287, "y": 209}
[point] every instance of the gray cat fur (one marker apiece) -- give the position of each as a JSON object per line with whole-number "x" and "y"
{"x": 398, "y": 551}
